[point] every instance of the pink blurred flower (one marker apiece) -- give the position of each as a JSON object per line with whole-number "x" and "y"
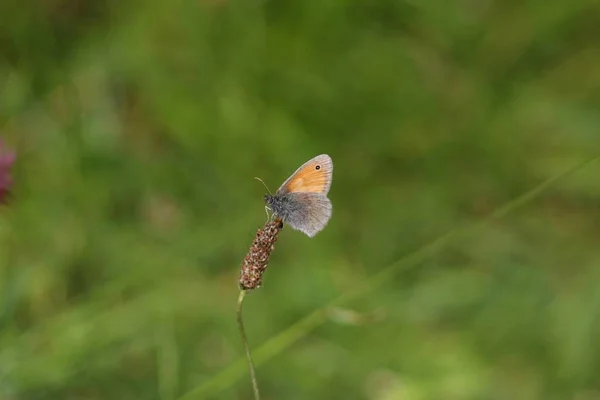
{"x": 7, "y": 158}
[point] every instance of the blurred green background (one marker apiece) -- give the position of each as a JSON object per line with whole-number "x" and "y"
{"x": 140, "y": 125}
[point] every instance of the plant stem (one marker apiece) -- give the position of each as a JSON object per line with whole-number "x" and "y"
{"x": 246, "y": 345}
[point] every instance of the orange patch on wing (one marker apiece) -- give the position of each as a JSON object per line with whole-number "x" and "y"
{"x": 310, "y": 179}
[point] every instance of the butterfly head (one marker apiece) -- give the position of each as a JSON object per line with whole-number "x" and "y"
{"x": 279, "y": 205}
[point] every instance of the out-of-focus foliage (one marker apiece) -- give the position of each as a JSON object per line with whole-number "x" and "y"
{"x": 139, "y": 128}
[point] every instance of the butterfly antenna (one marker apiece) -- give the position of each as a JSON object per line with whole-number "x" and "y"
{"x": 258, "y": 179}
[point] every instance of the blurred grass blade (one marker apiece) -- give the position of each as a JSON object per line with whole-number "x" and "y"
{"x": 300, "y": 329}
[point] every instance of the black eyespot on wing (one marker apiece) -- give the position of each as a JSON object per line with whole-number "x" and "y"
{"x": 317, "y": 167}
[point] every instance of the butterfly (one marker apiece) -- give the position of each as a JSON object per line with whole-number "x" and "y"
{"x": 302, "y": 201}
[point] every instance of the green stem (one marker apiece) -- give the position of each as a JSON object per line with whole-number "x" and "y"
{"x": 246, "y": 345}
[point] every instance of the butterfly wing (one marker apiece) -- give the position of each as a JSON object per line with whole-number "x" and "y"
{"x": 308, "y": 212}
{"x": 314, "y": 176}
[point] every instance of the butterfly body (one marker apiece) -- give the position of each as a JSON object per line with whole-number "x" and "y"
{"x": 302, "y": 201}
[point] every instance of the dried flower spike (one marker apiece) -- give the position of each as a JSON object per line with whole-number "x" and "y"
{"x": 7, "y": 158}
{"x": 256, "y": 261}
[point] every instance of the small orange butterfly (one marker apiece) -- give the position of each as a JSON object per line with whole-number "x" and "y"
{"x": 302, "y": 201}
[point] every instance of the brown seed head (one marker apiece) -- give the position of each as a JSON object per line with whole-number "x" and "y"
{"x": 256, "y": 261}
